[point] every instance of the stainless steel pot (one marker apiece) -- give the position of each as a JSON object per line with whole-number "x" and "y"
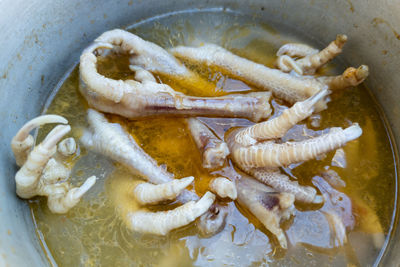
{"x": 41, "y": 40}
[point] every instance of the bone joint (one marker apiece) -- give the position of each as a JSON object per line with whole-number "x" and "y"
{"x": 269, "y": 206}
{"x": 144, "y": 96}
{"x": 214, "y": 151}
{"x": 289, "y": 87}
{"x": 223, "y": 187}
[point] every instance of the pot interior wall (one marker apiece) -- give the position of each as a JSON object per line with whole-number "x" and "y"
{"x": 38, "y": 49}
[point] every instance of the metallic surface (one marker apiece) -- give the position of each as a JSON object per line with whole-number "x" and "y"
{"x": 41, "y": 40}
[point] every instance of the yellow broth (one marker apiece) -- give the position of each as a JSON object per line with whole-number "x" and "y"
{"x": 93, "y": 233}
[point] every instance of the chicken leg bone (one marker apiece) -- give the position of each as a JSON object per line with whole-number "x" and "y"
{"x": 283, "y": 85}
{"x": 214, "y": 151}
{"x": 144, "y": 96}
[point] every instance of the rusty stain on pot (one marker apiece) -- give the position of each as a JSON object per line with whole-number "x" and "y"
{"x": 377, "y": 21}
{"x": 351, "y": 6}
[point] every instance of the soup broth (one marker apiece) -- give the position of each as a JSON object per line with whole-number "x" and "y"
{"x": 93, "y": 234}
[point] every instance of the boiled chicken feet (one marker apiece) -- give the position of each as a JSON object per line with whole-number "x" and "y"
{"x": 268, "y": 205}
{"x": 22, "y": 142}
{"x": 40, "y": 173}
{"x": 252, "y": 146}
{"x": 162, "y": 222}
{"x": 144, "y": 96}
{"x": 289, "y": 87}
{"x": 309, "y": 60}
{"x": 112, "y": 140}
{"x": 256, "y": 151}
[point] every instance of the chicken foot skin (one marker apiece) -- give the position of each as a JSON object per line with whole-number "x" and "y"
{"x": 310, "y": 61}
{"x": 147, "y": 193}
{"x": 282, "y": 183}
{"x": 213, "y": 150}
{"x": 40, "y": 173}
{"x": 111, "y": 140}
{"x": 145, "y": 97}
{"x": 288, "y": 87}
{"x": 267, "y": 204}
{"x": 254, "y": 146}
{"x": 257, "y": 150}
{"x": 162, "y": 222}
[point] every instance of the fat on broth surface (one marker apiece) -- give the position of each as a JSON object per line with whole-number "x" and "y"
{"x": 93, "y": 233}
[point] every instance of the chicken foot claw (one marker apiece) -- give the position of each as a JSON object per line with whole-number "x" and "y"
{"x": 42, "y": 175}
{"x": 144, "y": 96}
{"x": 350, "y": 77}
{"x": 62, "y": 203}
{"x": 162, "y": 222}
{"x": 147, "y": 193}
{"x": 311, "y": 60}
{"x": 22, "y": 142}
{"x": 258, "y": 151}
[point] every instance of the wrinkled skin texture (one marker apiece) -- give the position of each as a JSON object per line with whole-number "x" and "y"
{"x": 110, "y": 139}
{"x": 254, "y": 149}
{"x": 162, "y": 222}
{"x": 310, "y": 60}
{"x": 289, "y": 87}
{"x": 144, "y": 96}
{"x": 147, "y": 193}
{"x": 40, "y": 173}
{"x": 267, "y": 204}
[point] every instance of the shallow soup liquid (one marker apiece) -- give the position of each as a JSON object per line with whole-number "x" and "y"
{"x": 94, "y": 234}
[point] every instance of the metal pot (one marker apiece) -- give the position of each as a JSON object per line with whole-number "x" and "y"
{"x": 41, "y": 40}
